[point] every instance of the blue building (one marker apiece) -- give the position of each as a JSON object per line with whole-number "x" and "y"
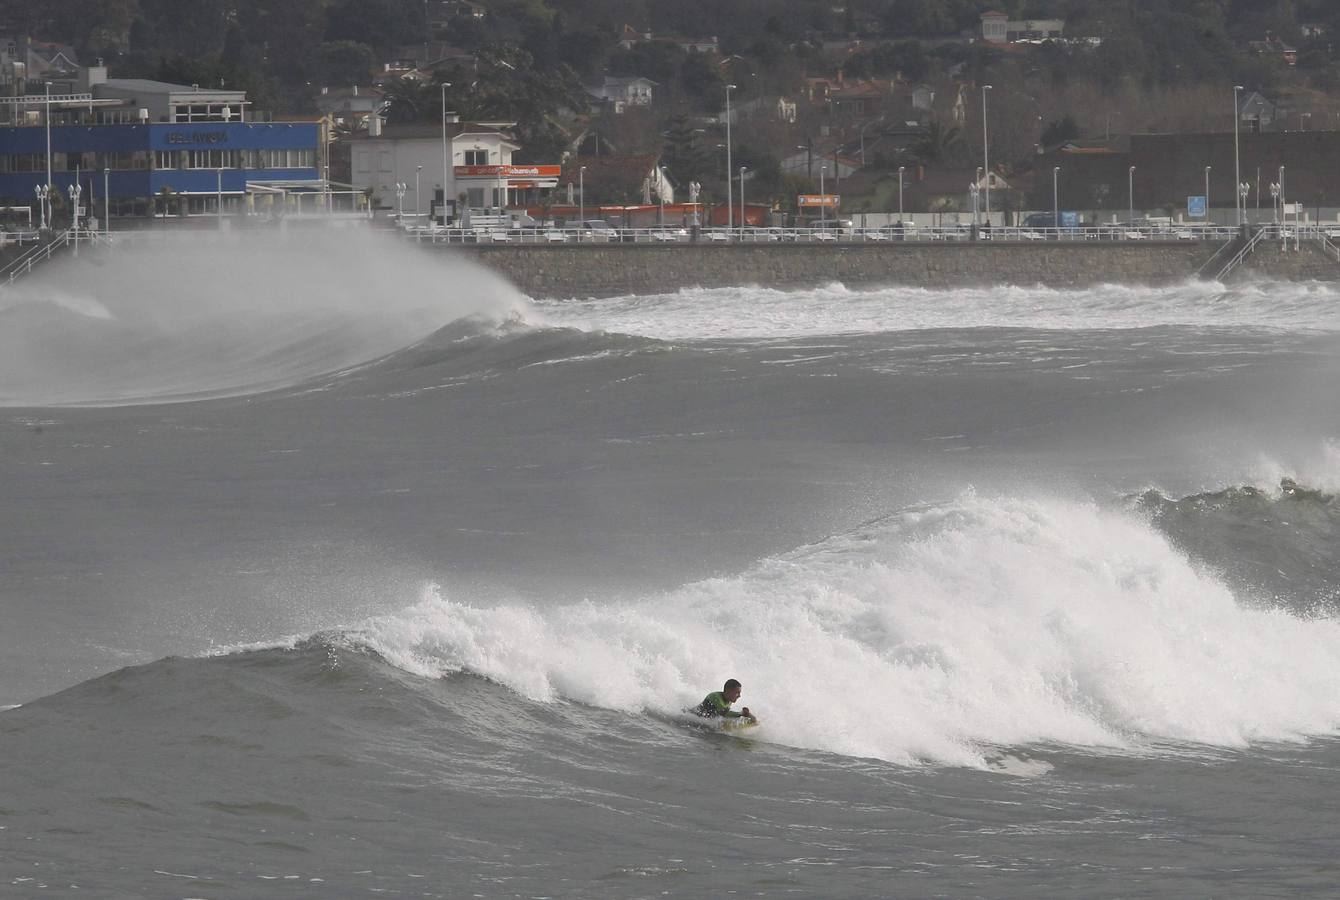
{"x": 141, "y": 148}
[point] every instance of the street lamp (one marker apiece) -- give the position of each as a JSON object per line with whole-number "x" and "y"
{"x": 976, "y": 210}
{"x": 1056, "y": 200}
{"x": 218, "y": 197}
{"x": 986, "y": 158}
{"x": 1243, "y": 190}
{"x": 1283, "y": 218}
{"x": 900, "y": 193}
{"x": 400, "y": 188}
{"x": 75, "y": 190}
{"x": 743, "y": 169}
{"x": 974, "y": 189}
{"x": 729, "y": 199}
{"x": 1274, "y": 200}
{"x": 823, "y": 198}
{"x": 50, "y": 185}
{"x": 446, "y": 166}
{"x": 1207, "y": 195}
{"x": 418, "y": 207}
{"x": 1237, "y": 171}
{"x": 581, "y": 193}
{"x": 41, "y": 192}
{"x": 1130, "y": 186}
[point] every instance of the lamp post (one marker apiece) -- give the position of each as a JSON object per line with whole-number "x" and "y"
{"x": 1237, "y": 171}
{"x": 900, "y": 193}
{"x": 976, "y": 210}
{"x": 986, "y": 157}
{"x": 1283, "y": 217}
{"x": 50, "y": 185}
{"x": 418, "y": 207}
{"x": 729, "y": 199}
{"x": 974, "y": 189}
{"x": 400, "y": 188}
{"x": 1275, "y": 200}
{"x": 743, "y": 169}
{"x": 1130, "y": 188}
{"x": 41, "y": 192}
{"x": 1243, "y": 190}
{"x": 581, "y": 193}
{"x": 1207, "y": 195}
{"x": 446, "y": 164}
{"x": 106, "y": 201}
{"x": 1056, "y": 199}
{"x": 75, "y": 190}
{"x": 823, "y": 198}
{"x": 218, "y": 199}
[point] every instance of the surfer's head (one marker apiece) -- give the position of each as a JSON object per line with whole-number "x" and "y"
{"x": 731, "y": 690}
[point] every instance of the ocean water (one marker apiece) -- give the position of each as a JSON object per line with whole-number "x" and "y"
{"x": 345, "y": 570}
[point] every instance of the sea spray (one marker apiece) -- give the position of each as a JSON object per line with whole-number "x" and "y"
{"x": 159, "y": 316}
{"x": 934, "y": 635}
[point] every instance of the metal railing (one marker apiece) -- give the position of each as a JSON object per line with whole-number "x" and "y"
{"x": 41, "y": 252}
{"x": 1247, "y": 249}
{"x": 671, "y": 235}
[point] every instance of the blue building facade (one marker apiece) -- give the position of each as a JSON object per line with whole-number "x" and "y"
{"x": 171, "y": 168}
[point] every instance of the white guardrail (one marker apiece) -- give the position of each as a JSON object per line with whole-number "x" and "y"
{"x": 884, "y": 235}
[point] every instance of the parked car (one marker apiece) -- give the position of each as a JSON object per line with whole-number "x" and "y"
{"x": 1332, "y": 233}
{"x": 1185, "y": 234}
{"x": 669, "y": 235}
{"x": 823, "y": 236}
{"x": 716, "y": 234}
{"x": 1031, "y": 235}
{"x": 875, "y": 234}
{"x": 555, "y": 236}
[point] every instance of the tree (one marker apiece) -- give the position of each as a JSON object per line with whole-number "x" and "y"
{"x": 939, "y": 144}
{"x": 343, "y": 62}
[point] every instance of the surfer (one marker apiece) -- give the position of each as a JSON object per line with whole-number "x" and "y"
{"x": 718, "y": 703}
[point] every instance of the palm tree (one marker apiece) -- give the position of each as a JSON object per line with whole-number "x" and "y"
{"x": 938, "y": 143}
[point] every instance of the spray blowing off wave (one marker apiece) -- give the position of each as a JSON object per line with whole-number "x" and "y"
{"x": 761, "y": 313}
{"x": 935, "y": 635}
{"x": 203, "y": 314}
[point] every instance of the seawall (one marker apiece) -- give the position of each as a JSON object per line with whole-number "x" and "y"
{"x": 613, "y": 269}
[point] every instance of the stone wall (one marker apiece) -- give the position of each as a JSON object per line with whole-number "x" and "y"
{"x": 1271, "y": 260}
{"x": 612, "y": 269}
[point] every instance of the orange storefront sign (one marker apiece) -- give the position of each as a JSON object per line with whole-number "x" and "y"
{"x": 508, "y": 171}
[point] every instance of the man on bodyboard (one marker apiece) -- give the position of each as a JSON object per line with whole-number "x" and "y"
{"x": 717, "y": 704}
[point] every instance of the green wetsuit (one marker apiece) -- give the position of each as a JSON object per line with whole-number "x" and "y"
{"x": 715, "y": 704}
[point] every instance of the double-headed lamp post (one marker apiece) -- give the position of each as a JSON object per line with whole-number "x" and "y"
{"x": 418, "y": 205}
{"x": 1243, "y": 190}
{"x": 446, "y": 164}
{"x": 900, "y": 193}
{"x": 400, "y": 188}
{"x": 41, "y": 192}
{"x": 1275, "y": 200}
{"x": 581, "y": 194}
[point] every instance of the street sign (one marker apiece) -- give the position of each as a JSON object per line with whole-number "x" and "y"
{"x": 1195, "y": 207}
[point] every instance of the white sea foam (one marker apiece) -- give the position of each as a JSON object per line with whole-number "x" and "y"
{"x": 194, "y": 314}
{"x": 936, "y": 635}
{"x": 762, "y": 313}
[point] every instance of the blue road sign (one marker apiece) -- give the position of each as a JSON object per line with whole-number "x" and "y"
{"x": 1195, "y": 207}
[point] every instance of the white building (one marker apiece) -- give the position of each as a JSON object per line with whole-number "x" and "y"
{"x": 623, "y": 92}
{"x": 479, "y": 169}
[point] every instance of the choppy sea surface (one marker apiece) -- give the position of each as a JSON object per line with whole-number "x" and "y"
{"x": 345, "y": 570}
